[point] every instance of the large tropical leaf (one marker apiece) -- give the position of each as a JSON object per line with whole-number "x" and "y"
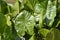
{"x": 20, "y": 22}
{"x": 53, "y": 35}
{"x": 24, "y": 22}
{"x": 50, "y": 13}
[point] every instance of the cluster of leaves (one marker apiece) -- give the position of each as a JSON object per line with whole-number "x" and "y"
{"x": 30, "y": 20}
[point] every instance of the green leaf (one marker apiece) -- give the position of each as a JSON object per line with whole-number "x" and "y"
{"x": 43, "y": 3}
{"x": 53, "y": 35}
{"x": 15, "y": 9}
{"x": 0, "y": 37}
{"x": 20, "y": 22}
{"x": 58, "y": 24}
{"x": 50, "y": 13}
{"x": 2, "y": 22}
{"x": 24, "y": 22}
{"x": 44, "y": 32}
{"x": 41, "y": 8}
{"x": 37, "y": 8}
{"x": 41, "y": 18}
{"x": 8, "y": 20}
{"x": 3, "y": 7}
{"x": 0, "y": 7}
{"x": 8, "y": 33}
{"x": 30, "y": 25}
{"x": 23, "y": 1}
{"x": 27, "y": 8}
{"x": 31, "y": 3}
{"x": 32, "y": 37}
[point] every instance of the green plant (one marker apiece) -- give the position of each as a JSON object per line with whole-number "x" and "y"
{"x": 30, "y": 20}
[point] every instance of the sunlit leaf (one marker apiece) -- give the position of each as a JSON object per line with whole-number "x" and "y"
{"x": 50, "y": 13}
{"x": 8, "y": 20}
{"x": 30, "y": 25}
{"x": 20, "y": 22}
{"x": 15, "y": 9}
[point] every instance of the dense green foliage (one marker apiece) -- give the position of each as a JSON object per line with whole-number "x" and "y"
{"x": 30, "y": 20}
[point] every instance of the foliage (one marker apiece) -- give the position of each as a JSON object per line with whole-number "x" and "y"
{"x": 30, "y": 20}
